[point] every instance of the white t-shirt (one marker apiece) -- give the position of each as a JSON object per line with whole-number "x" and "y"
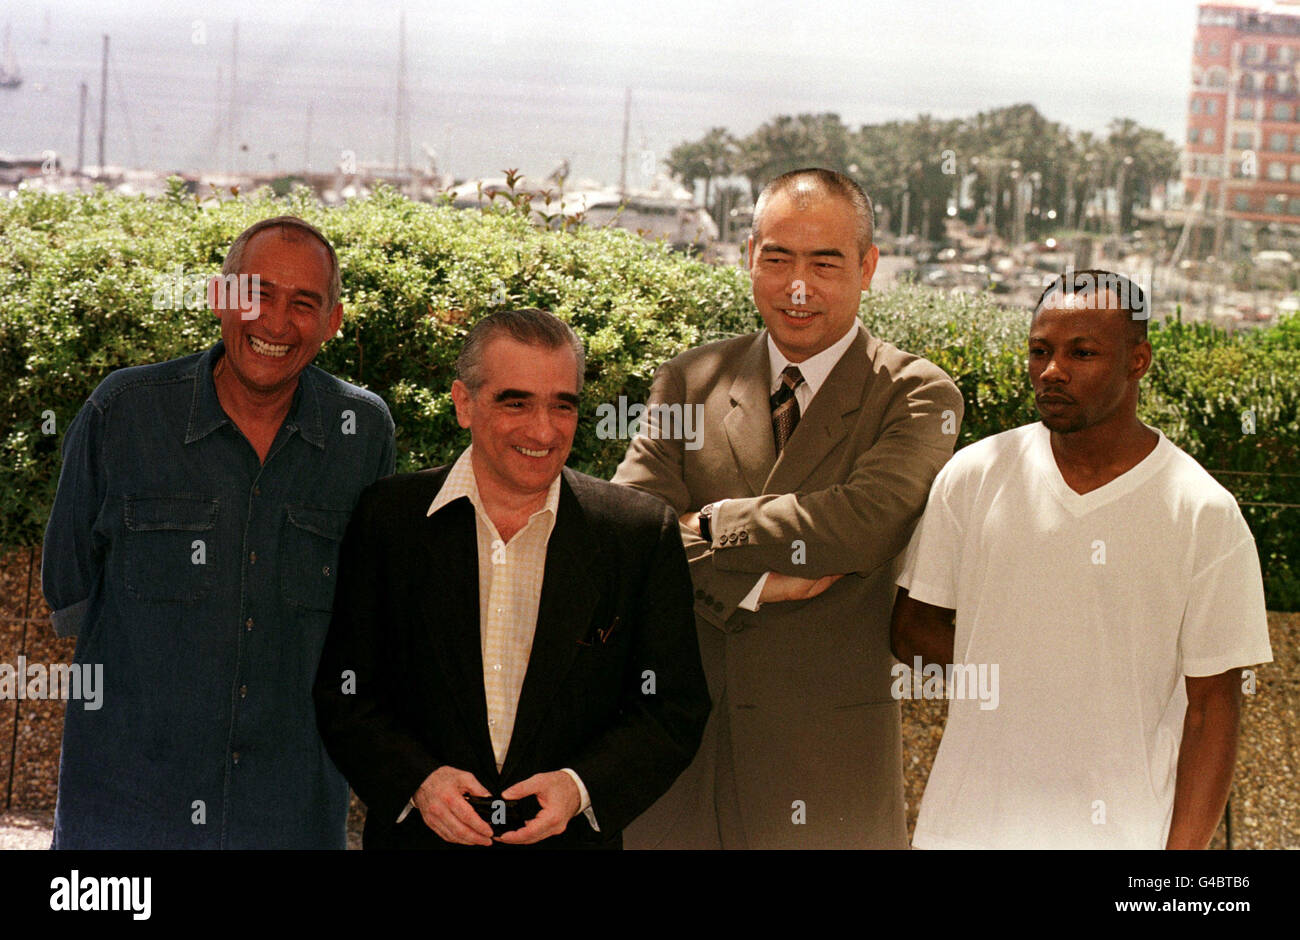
{"x": 1092, "y": 608}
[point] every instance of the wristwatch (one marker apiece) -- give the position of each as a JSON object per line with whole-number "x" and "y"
{"x": 706, "y": 516}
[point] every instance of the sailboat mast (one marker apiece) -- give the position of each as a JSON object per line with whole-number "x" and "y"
{"x": 627, "y": 117}
{"x": 103, "y": 104}
{"x": 401, "y": 124}
{"x": 81, "y": 129}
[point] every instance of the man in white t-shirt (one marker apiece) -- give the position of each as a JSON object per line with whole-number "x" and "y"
{"x": 1091, "y": 595}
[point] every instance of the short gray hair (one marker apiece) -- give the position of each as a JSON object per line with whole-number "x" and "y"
{"x": 822, "y": 182}
{"x": 288, "y": 223}
{"x": 530, "y": 326}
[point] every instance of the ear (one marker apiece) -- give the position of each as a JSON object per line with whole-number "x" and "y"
{"x": 335, "y": 321}
{"x": 461, "y": 398}
{"x": 1139, "y": 360}
{"x": 869, "y": 262}
{"x": 749, "y": 252}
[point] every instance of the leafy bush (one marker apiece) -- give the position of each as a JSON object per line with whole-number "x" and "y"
{"x": 79, "y": 275}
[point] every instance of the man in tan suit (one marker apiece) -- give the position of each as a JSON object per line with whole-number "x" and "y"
{"x": 818, "y": 446}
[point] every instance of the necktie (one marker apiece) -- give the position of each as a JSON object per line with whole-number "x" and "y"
{"x": 785, "y": 407}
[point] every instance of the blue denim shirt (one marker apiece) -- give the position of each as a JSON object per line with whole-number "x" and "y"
{"x": 202, "y": 581}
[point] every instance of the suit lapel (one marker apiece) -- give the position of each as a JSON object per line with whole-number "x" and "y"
{"x": 749, "y": 422}
{"x": 451, "y": 609}
{"x": 569, "y": 597}
{"x": 827, "y": 420}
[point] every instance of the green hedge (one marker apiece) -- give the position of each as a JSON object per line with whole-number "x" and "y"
{"x": 79, "y": 274}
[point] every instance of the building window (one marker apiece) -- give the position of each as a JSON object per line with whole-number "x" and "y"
{"x": 1216, "y": 48}
{"x": 1279, "y": 142}
{"x": 1276, "y": 204}
{"x": 1246, "y": 109}
{"x": 1276, "y": 171}
{"x": 1281, "y": 112}
{"x": 1193, "y": 135}
{"x": 1295, "y": 172}
{"x": 1198, "y": 47}
{"x": 1241, "y": 202}
{"x": 1244, "y": 140}
{"x": 1293, "y": 206}
{"x": 1195, "y": 106}
{"x": 1207, "y": 135}
{"x": 1211, "y": 106}
{"x": 1284, "y": 84}
{"x": 1254, "y": 54}
{"x": 1286, "y": 54}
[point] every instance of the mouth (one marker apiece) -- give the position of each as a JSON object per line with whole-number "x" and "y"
{"x": 271, "y": 350}
{"x": 1051, "y": 400}
{"x": 535, "y": 454}
{"x": 798, "y": 314}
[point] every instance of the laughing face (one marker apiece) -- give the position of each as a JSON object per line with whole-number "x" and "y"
{"x": 265, "y": 353}
{"x": 522, "y": 418}
{"x": 807, "y": 273}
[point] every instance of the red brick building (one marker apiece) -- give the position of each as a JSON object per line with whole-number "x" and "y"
{"x": 1243, "y": 113}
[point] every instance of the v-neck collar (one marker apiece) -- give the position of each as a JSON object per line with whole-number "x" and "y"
{"x": 1081, "y": 504}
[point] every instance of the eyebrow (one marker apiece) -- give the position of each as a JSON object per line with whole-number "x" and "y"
{"x": 517, "y": 394}
{"x": 1081, "y": 338}
{"x": 263, "y": 283}
{"x": 817, "y": 253}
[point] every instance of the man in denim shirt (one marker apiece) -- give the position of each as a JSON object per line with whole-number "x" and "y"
{"x": 193, "y": 549}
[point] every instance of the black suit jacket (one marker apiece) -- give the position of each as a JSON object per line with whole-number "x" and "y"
{"x": 614, "y": 687}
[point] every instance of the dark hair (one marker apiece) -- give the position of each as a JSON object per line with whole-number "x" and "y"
{"x": 290, "y": 223}
{"x": 825, "y": 183}
{"x": 530, "y": 326}
{"x": 1090, "y": 284}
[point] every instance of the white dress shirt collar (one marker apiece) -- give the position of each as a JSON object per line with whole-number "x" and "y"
{"x": 461, "y": 482}
{"x": 814, "y": 369}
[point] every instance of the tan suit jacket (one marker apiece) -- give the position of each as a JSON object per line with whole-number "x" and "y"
{"x": 801, "y": 689}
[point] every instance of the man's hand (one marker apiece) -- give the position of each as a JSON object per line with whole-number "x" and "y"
{"x": 441, "y": 802}
{"x": 784, "y": 587}
{"x": 560, "y": 801}
{"x": 691, "y": 520}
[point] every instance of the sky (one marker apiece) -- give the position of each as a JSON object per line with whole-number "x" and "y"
{"x": 540, "y": 81}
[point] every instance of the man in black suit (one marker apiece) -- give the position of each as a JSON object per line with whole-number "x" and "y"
{"x": 509, "y": 629}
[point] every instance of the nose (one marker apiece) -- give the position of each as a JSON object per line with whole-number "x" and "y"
{"x": 273, "y": 313}
{"x": 1053, "y": 373}
{"x": 800, "y": 285}
{"x": 542, "y": 428}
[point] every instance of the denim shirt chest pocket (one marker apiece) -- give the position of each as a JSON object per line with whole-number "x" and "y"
{"x": 168, "y": 546}
{"x": 309, "y": 555}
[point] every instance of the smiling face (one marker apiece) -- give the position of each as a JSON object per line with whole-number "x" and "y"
{"x": 266, "y": 353}
{"x": 807, "y": 273}
{"x": 1085, "y": 365}
{"x": 522, "y": 418}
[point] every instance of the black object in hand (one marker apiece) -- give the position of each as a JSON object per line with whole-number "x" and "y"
{"x": 505, "y": 815}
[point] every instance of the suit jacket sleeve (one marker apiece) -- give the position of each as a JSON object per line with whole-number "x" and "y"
{"x": 665, "y": 700}
{"x": 654, "y": 464}
{"x": 384, "y": 763}
{"x": 865, "y": 521}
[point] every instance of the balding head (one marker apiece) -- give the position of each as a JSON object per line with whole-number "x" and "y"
{"x": 806, "y": 187}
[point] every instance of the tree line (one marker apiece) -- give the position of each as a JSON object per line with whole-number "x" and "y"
{"x": 1010, "y": 168}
